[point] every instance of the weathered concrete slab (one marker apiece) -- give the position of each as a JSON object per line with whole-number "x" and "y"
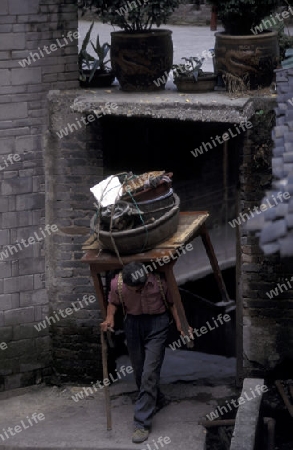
{"x": 247, "y": 415}
{"x": 168, "y": 104}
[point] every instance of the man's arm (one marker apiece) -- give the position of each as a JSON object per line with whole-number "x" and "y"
{"x": 109, "y": 321}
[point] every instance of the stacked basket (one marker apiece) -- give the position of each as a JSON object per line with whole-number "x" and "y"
{"x": 152, "y": 196}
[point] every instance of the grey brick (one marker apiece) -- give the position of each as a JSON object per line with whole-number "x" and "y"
{"x": 19, "y": 316}
{"x": 24, "y": 331}
{"x": 8, "y": 302}
{"x": 289, "y": 188}
{"x": 23, "y": 6}
{"x": 26, "y": 76}
{"x": 16, "y": 219}
{"x": 288, "y": 136}
{"x": 5, "y": 270}
{"x": 286, "y": 246}
{"x": 7, "y": 146}
{"x": 4, "y": 56}
{"x": 10, "y": 220}
{"x": 32, "y": 19}
{"x": 19, "y": 28}
{"x": 31, "y": 266}
{"x": 6, "y": 334}
{"x": 281, "y": 210}
{"x": 29, "y": 202}
{"x": 273, "y": 231}
{"x": 4, "y": 77}
{"x": 288, "y": 167}
{"x": 10, "y": 174}
{"x": 39, "y": 313}
{"x": 1, "y": 319}
{"x": 13, "y": 90}
{"x": 39, "y": 297}
{"x": 289, "y": 220}
{"x": 18, "y": 284}
{"x": 15, "y": 273}
{"x": 13, "y": 111}
{"x": 15, "y": 186}
{"x": 4, "y": 7}
{"x": 12, "y": 382}
{"x": 279, "y": 131}
{"x": 43, "y": 344}
{"x": 4, "y": 237}
{"x": 278, "y": 151}
{"x": 6, "y": 28}
{"x": 27, "y": 143}
{"x": 39, "y": 282}
{"x": 3, "y": 205}
{"x": 12, "y": 41}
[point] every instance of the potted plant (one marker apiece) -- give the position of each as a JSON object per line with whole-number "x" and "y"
{"x": 189, "y": 77}
{"x": 248, "y": 50}
{"x": 140, "y": 55}
{"x": 93, "y": 71}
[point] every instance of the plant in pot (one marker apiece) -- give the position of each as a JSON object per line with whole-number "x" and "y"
{"x": 140, "y": 54}
{"x": 93, "y": 71}
{"x": 189, "y": 77}
{"x": 247, "y": 52}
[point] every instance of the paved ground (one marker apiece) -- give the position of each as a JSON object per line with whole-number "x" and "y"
{"x": 77, "y": 425}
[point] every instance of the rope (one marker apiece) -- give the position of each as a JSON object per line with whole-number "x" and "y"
{"x": 112, "y": 238}
{"x": 141, "y": 218}
{"x": 120, "y": 286}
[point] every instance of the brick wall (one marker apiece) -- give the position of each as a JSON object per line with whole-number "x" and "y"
{"x": 27, "y": 26}
{"x": 73, "y": 165}
{"x": 267, "y": 323}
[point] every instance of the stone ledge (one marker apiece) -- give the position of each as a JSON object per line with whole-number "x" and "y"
{"x": 167, "y": 104}
{"x": 247, "y": 416}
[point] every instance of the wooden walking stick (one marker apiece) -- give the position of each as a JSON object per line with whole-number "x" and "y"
{"x": 106, "y": 375}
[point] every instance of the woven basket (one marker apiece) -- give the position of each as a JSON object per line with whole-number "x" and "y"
{"x": 158, "y": 206}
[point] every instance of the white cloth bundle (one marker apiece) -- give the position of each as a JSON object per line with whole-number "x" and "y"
{"x": 107, "y": 191}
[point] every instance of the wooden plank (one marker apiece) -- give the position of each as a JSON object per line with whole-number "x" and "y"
{"x": 185, "y": 232}
{"x": 99, "y": 289}
{"x": 188, "y": 228}
{"x": 106, "y": 376}
{"x": 214, "y": 263}
{"x": 176, "y": 298}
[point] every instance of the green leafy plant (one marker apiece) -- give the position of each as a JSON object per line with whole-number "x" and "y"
{"x": 101, "y": 52}
{"x": 132, "y": 16}
{"x": 87, "y": 62}
{"x": 190, "y": 69}
{"x": 240, "y": 16}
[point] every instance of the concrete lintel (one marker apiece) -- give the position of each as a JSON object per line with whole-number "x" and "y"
{"x": 168, "y": 104}
{"x": 248, "y": 415}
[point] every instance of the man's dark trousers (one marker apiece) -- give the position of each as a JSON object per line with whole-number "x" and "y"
{"x": 146, "y": 339}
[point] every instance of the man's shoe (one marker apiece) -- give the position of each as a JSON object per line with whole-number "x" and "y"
{"x": 140, "y": 435}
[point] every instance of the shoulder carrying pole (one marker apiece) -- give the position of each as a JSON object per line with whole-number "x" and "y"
{"x": 106, "y": 375}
